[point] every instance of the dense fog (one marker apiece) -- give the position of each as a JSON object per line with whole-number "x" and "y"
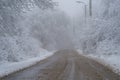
{"x": 29, "y": 26}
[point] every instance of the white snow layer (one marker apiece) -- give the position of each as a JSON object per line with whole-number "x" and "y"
{"x": 112, "y": 61}
{"x": 8, "y": 68}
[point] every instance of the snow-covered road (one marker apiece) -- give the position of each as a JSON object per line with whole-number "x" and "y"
{"x": 65, "y": 65}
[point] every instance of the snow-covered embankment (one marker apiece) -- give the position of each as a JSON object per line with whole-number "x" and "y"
{"x": 8, "y": 68}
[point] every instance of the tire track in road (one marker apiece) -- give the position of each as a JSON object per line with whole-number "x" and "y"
{"x": 65, "y": 65}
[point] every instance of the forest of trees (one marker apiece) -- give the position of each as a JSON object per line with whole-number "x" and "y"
{"x": 26, "y": 26}
{"x": 103, "y": 29}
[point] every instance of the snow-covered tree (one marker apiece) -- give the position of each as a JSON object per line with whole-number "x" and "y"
{"x": 16, "y": 43}
{"x": 101, "y": 35}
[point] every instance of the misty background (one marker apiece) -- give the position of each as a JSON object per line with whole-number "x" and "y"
{"x": 28, "y": 27}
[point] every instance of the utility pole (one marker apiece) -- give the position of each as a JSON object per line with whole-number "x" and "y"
{"x": 90, "y": 7}
{"x": 85, "y": 14}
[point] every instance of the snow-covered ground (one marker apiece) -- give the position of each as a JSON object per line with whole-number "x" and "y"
{"x": 112, "y": 61}
{"x": 10, "y": 67}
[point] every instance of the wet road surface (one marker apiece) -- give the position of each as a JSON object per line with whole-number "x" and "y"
{"x": 65, "y": 65}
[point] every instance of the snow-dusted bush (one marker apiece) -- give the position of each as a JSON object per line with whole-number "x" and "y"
{"x": 18, "y": 48}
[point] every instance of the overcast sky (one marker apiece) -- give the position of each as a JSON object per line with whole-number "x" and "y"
{"x": 71, "y": 7}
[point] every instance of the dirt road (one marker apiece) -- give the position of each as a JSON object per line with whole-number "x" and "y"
{"x": 65, "y": 65}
